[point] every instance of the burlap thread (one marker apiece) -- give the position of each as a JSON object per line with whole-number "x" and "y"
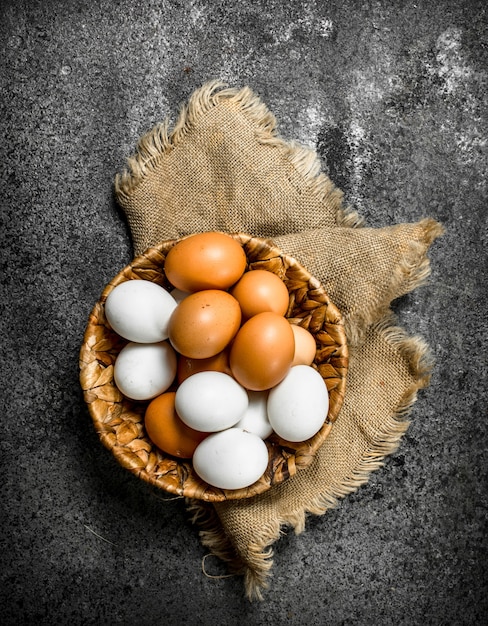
{"x": 223, "y": 166}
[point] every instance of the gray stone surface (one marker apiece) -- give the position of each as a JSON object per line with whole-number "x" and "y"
{"x": 393, "y": 95}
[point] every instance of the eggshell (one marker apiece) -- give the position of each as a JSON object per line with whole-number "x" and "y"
{"x": 204, "y": 323}
{"x": 255, "y": 419}
{"x": 258, "y": 291}
{"x": 298, "y": 406}
{"x": 231, "y": 459}
{"x": 144, "y": 370}
{"x": 187, "y": 366}
{"x": 166, "y": 430}
{"x": 210, "y": 401}
{"x": 210, "y": 260}
{"x": 262, "y": 351}
{"x": 305, "y": 346}
{"x": 139, "y": 311}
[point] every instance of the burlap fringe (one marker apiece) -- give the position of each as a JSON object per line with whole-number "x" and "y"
{"x": 203, "y": 515}
{"x": 256, "y": 568}
{"x": 411, "y": 272}
{"x": 159, "y": 141}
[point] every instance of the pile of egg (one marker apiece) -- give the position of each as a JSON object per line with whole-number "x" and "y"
{"x": 217, "y": 360}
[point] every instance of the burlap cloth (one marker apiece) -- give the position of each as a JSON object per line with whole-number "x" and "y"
{"x": 224, "y": 167}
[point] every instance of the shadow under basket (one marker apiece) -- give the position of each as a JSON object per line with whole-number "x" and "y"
{"x": 119, "y": 421}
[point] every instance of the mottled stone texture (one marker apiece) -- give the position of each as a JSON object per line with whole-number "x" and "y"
{"x": 393, "y": 95}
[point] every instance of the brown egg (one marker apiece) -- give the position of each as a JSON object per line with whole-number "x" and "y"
{"x": 204, "y": 323}
{"x": 211, "y": 260}
{"x": 167, "y": 431}
{"x": 305, "y": 346}
{"x": 187, "y": 366}
{"x": 262, "y": 351}
{"x": 258, "y": 291}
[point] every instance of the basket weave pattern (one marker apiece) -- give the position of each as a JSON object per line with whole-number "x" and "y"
{"x": 120, "y": 421}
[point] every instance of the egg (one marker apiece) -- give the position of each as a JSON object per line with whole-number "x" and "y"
{"x": 210, "y": 260}
{"x": 258, "y": 291}
{"x": 305, "y": 346}
{"x": 217, "y": 363}
{"x": 298, "y": 405}
{"x": 204, "y": 323}
{"x": 255, "y": 419}
{"x": 139, "y": 311}
{"x": 210, "y": 401}
{"x": 262, "y": 351}
{"x": 166, "y": 430}
{"x": 144, "y": 370}
{"x": 231, "y": 459}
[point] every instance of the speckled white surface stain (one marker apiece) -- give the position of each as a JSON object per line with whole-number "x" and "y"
{"x": 309, "y": 122}
{"x": 365, "y": 96}
{"x": 325, "y": 27}
{"x": 452, "y": 67}
{"x": 460, "y": 82}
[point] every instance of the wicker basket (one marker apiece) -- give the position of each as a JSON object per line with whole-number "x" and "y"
{"x": 120, "y": 421}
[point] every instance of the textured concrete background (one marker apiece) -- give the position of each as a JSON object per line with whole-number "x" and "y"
{"x": 393, "y": 95}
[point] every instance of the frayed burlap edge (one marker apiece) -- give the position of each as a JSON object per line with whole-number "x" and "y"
{"x": 256, "y": 568}
{"x": 160, "y": 141}
{"x": 412, "y": 271}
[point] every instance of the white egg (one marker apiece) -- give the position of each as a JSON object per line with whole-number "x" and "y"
{"x": 231, "y": 459}
{"x": 255, "y": 419}
{"x": 298, "y": 405}
{"x": 139, "y": 311}
{"x": 144, "y": 370}
{"x": 210, "y": 401}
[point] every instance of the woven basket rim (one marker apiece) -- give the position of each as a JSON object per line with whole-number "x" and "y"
{"x": 119, "y": 421}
